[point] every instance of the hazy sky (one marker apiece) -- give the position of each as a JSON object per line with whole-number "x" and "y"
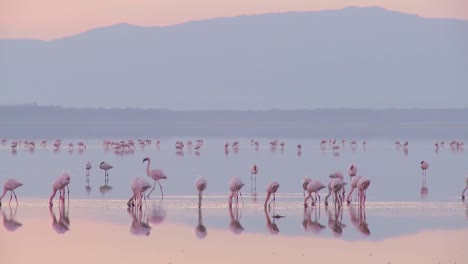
{"x": 50, "y": 19}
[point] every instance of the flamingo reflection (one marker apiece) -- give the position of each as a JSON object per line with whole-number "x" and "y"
{"x": 309, "y": 225}
{"x": 10, "y": 223}
{"x": 358, "y": 219}
{"x": 105, "y": 188}
{"x": 271, "y": 225}
{"x": 138, "y": 227}
{"x": 235, "y": 225}
{"x": 200, "y": 229}
{"x": 62, "y": 225}
{"x": 334, "y": 221}
{"x": 157, "y": 214}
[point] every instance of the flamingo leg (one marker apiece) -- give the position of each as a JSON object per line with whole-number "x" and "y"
{"x": 154, "y": 186}
{"x": 11, "y": 196}
{"x": 241, "y": 198}
{"x": 16, "y": 199}
{"x": 160, "y": 187}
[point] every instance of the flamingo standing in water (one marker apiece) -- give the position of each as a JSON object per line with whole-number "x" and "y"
{"x": 314, "y": 186}
{"x": 362, "y": 186}
{"x": 10, "y": 185}
{"x": 271, "y": 189}
{"x": 59, "y": 185}
{"x": 156, "y": 175}
{"x": 464, "y": 190}
{"x": 352, "y": 171}
{"x": 105, "y": 166}
{"x": 235, "y": 185}
{"x": 201, "y": 184}
{"x": 335, "y": 186}
{"x": 253, "y": 172}
{"x": 354, "y": 185}
{"x": 138, "y": 187}
{"x": 424, "y": 167}
{"x": 88, "y": 168}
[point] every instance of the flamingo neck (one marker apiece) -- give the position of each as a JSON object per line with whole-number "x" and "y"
{"x": 463, "y": 193}
{"x": 350, "y": 192}
{"x": 267, "y": 198}
{"x": 148, "y": 168}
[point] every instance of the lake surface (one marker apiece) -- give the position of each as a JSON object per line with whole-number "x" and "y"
{"x": 398, "y": 202}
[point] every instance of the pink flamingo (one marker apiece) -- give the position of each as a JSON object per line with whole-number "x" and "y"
{"x": 335, "y": 186}
{"x": 253, "y": 172}
{"x": 424, "y": 167}
{"x": 464, "y": 190}
{"x": 105, "y": 166}
{"x": 201, "y": 183}
{"x": 314, "y": 186}
{"x": 10, "y": 185}
{"x": 362, "y": 186}
{"x": 59, "y": 185}
{"x": 354, "y": 182}
{"x": 235, "y": 185}
{"x": 271, "y": 189}
{"x": 352, "y": 171}
{"x": 156, "y": 175}
{"x": 138, "y": 187}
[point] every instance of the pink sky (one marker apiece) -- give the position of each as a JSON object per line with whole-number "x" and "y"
{"x": 51, "y": 19}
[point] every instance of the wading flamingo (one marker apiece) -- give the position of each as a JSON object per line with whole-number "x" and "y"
{"x": 352, "y": 171}
{"x": 271, "y": 189}
{"x": 59, "y": 185}
{"x": 138, "y": 187}
{"x": 105, "y": 166}
{"x": 314, "y": 186}
{"x": 235, "y": 185}
{"x": 201, "y": 184}
{"x": 424, "y": 167}
{"x": 10, "y": 185}
{"x": 354, "y": 182}
{"x": 362, "y": 186}
{"x": 156, "y": 175}
{"x": 335, "y": 186}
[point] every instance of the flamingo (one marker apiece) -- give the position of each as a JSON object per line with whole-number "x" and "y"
{"x": 362, "y": 186}
{"x": 105, "y": 166}
{"x": 338, "y": 175}
{"x": 10, "y": 185}
{"x": 271, "y": 189}
{"x": 253, "y": 172}
{"x": 201, "y": 184}
{"x": 424, "y": 167}
{"x": 156, "y": 175}
{"x": 354, "y": 182}
{"x": 352, "y": 171}
{"x": 335, "y": 185}
{"x": 464, "y": 190}
{"x": 235, "y": 185}
{"x": 314, "y": 186}
{"x": 88, "y": 168}
{"x": 59, "y": 185}
{"x": 138, "y": 187}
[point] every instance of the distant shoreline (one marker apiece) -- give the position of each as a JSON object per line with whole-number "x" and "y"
{"x": 32, "y": 121}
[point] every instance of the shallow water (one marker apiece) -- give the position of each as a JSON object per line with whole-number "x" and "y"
{"x": 95, "y": 222}
{"x": 395, "y": 174}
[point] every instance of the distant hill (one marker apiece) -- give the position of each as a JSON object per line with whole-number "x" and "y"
{"x": 352, "y": 57}
{"x": 38, "y": 122}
